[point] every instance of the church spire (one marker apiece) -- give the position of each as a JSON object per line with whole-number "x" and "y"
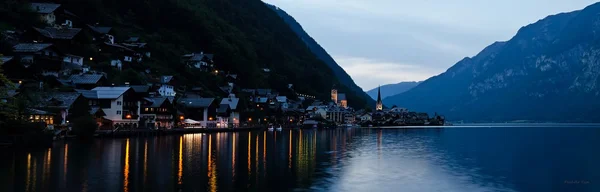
{"x": 379, "y": 105}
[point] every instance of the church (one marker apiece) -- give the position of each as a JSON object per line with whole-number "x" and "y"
{"x": 379, "y": 105}
{"x": 339, "y": 98}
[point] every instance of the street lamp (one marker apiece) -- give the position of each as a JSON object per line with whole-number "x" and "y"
{"x": 181, "y": 117}
{"x": 249, "y": 119}
{"x": 128, "y": 116}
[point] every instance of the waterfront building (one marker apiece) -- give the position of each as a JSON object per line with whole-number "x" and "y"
{"x": 379, "y": 105}
{"x": 120, "y": 104}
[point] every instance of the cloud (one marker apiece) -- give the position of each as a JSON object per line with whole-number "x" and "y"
{"x": 369, "y": 73}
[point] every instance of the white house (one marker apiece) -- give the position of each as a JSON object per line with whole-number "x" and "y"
{"x": 228, "y": 109}
{"x": 73, "y": 59}
{"x": 166, "y": 87}
{"x": 366, "y": 117}
{"x": 45, "y": 11}
{"x": 116, "y": 63}
{"x": 118, "y": 103}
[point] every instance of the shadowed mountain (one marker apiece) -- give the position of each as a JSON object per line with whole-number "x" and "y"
{"x": 549, "y": 71}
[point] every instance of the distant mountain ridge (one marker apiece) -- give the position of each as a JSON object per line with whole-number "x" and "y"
{"x": 549, "y": 71}
{"x": 341, "y": 75}
{"x": 393, "y": 89}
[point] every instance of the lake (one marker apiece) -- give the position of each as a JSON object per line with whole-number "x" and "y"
{"x": 458, "y": 158}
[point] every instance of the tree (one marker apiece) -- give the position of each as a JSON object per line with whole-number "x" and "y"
{"x": 84, "y": 126}
{"x": 7, "y": 107}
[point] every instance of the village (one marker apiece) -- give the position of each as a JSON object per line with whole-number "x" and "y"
{"x": 61, "y": 85}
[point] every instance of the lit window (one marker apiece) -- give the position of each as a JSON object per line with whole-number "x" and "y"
{"x": 146, "y": 109}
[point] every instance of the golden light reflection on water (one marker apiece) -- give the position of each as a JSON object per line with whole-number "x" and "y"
{"x": 65, "y": 158}
{"x": 264, "y": 153}
{"x": 290, "y": 151}
{"x": 233, "y": 157}
{"x": 180, "y": 167}
{"x": 249, "y": 154}
{"x": 126, "y": 168}
{"x": 212, "y": 167}
{"x": 28, "y": 181}
{"x": 145, "y": 160}
{"x": 47, "y": 164}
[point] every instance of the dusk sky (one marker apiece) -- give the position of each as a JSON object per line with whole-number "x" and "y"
{"x": 389, "y": 41}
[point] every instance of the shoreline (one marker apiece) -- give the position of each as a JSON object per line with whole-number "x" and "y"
{"x": 144, "y": 132}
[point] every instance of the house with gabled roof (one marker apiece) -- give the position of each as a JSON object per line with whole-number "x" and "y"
{"x": 120, "y": 104}
{"x": 45, "y": 11}
{"x": 46, "y": 58}
{"x": 63, "y": 105}
{"x": 202, "y": 110}
{"x": 200, "y": 60}
{"x": 166, "y": 86}
{"x": 101, "y": 34}
{"x": 157, "y": 112}
{"x": 228, "y": 112}
{"x": 87, "y": 81}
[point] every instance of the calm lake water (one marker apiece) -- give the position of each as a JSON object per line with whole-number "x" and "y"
{"x": 477, "y": 158}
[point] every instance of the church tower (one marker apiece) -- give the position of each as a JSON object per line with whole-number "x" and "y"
{"x": 379, "y": 105}
{"x": 334, "y": 95}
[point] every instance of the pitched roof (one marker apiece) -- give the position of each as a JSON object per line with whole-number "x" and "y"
{"x": 38, "y": 112}
{"x": 232, "y": 102}
{"x": 166, "y": 79}
{"x": 120, "y": 47}
{"x": 101, "y": 30}
{"x": 65, "y": 99}
{"x": 281, "y": 99}
{"x": 140, "y": 88}
{"x": 85, "y": 78}
{"x": 94, "y": 110}
{"x": 223, "y": 108}
{"x": 133, "y": 39}
{"x": 44, "y": 8}
{"x": 30, "y": 47}
{"x": 110, "y": 92}
{"x": 341, "y": 96}
{"x": 199, "y": 56}
{"x": 5, "y": 59}
{"x": 88, "y": 93}
{"x": 196, "y": 102}
{"x": 156, "y": 101}
{"x": 58, "y": 33}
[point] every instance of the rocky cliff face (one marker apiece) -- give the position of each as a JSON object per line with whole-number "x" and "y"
{"x": 549, "y": 71}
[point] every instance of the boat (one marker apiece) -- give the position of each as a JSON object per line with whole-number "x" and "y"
{"x": 271, "y": 128}
{"x": 279, "y": 128}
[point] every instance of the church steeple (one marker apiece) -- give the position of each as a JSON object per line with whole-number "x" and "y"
{"x": 379, "y": 105}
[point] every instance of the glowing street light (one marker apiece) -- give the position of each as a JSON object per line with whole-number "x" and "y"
{"x": 249, "y": 119}
{"x": 91, "y": 59}
{"x": 128, "y": 116}
{"x": 181, "y": 117}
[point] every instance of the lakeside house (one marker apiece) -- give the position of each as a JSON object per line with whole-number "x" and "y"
{"x": 157, "y": 112}
{"x": 201, "y": 110}
{"x": 228, "y": 112}
{"x": 120, "y": 104}
{"x": 167, "y": 86}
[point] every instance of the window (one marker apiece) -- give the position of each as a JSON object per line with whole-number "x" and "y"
{"x": 119, "y": 103}
{"x": 146, "y": 109}
{"x": 118, "y": 112}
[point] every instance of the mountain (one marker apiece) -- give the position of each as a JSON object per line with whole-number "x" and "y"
{"x": 393, "y": 89}
{"x": 343, "y": 77}
{"x": 549, "y": 71}
{"x": 245, "y": 37}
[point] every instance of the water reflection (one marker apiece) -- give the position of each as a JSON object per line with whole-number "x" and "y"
{"x": 336, "y": 160}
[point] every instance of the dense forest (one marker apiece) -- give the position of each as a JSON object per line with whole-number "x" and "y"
{"x": 244, "y": 35}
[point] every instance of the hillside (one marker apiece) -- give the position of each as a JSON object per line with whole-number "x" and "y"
{"x": 549, "y": 71}
{"x": 393, "y": 89}
{"x": 320, "y": 52}
{"x": 244, "y": 35}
